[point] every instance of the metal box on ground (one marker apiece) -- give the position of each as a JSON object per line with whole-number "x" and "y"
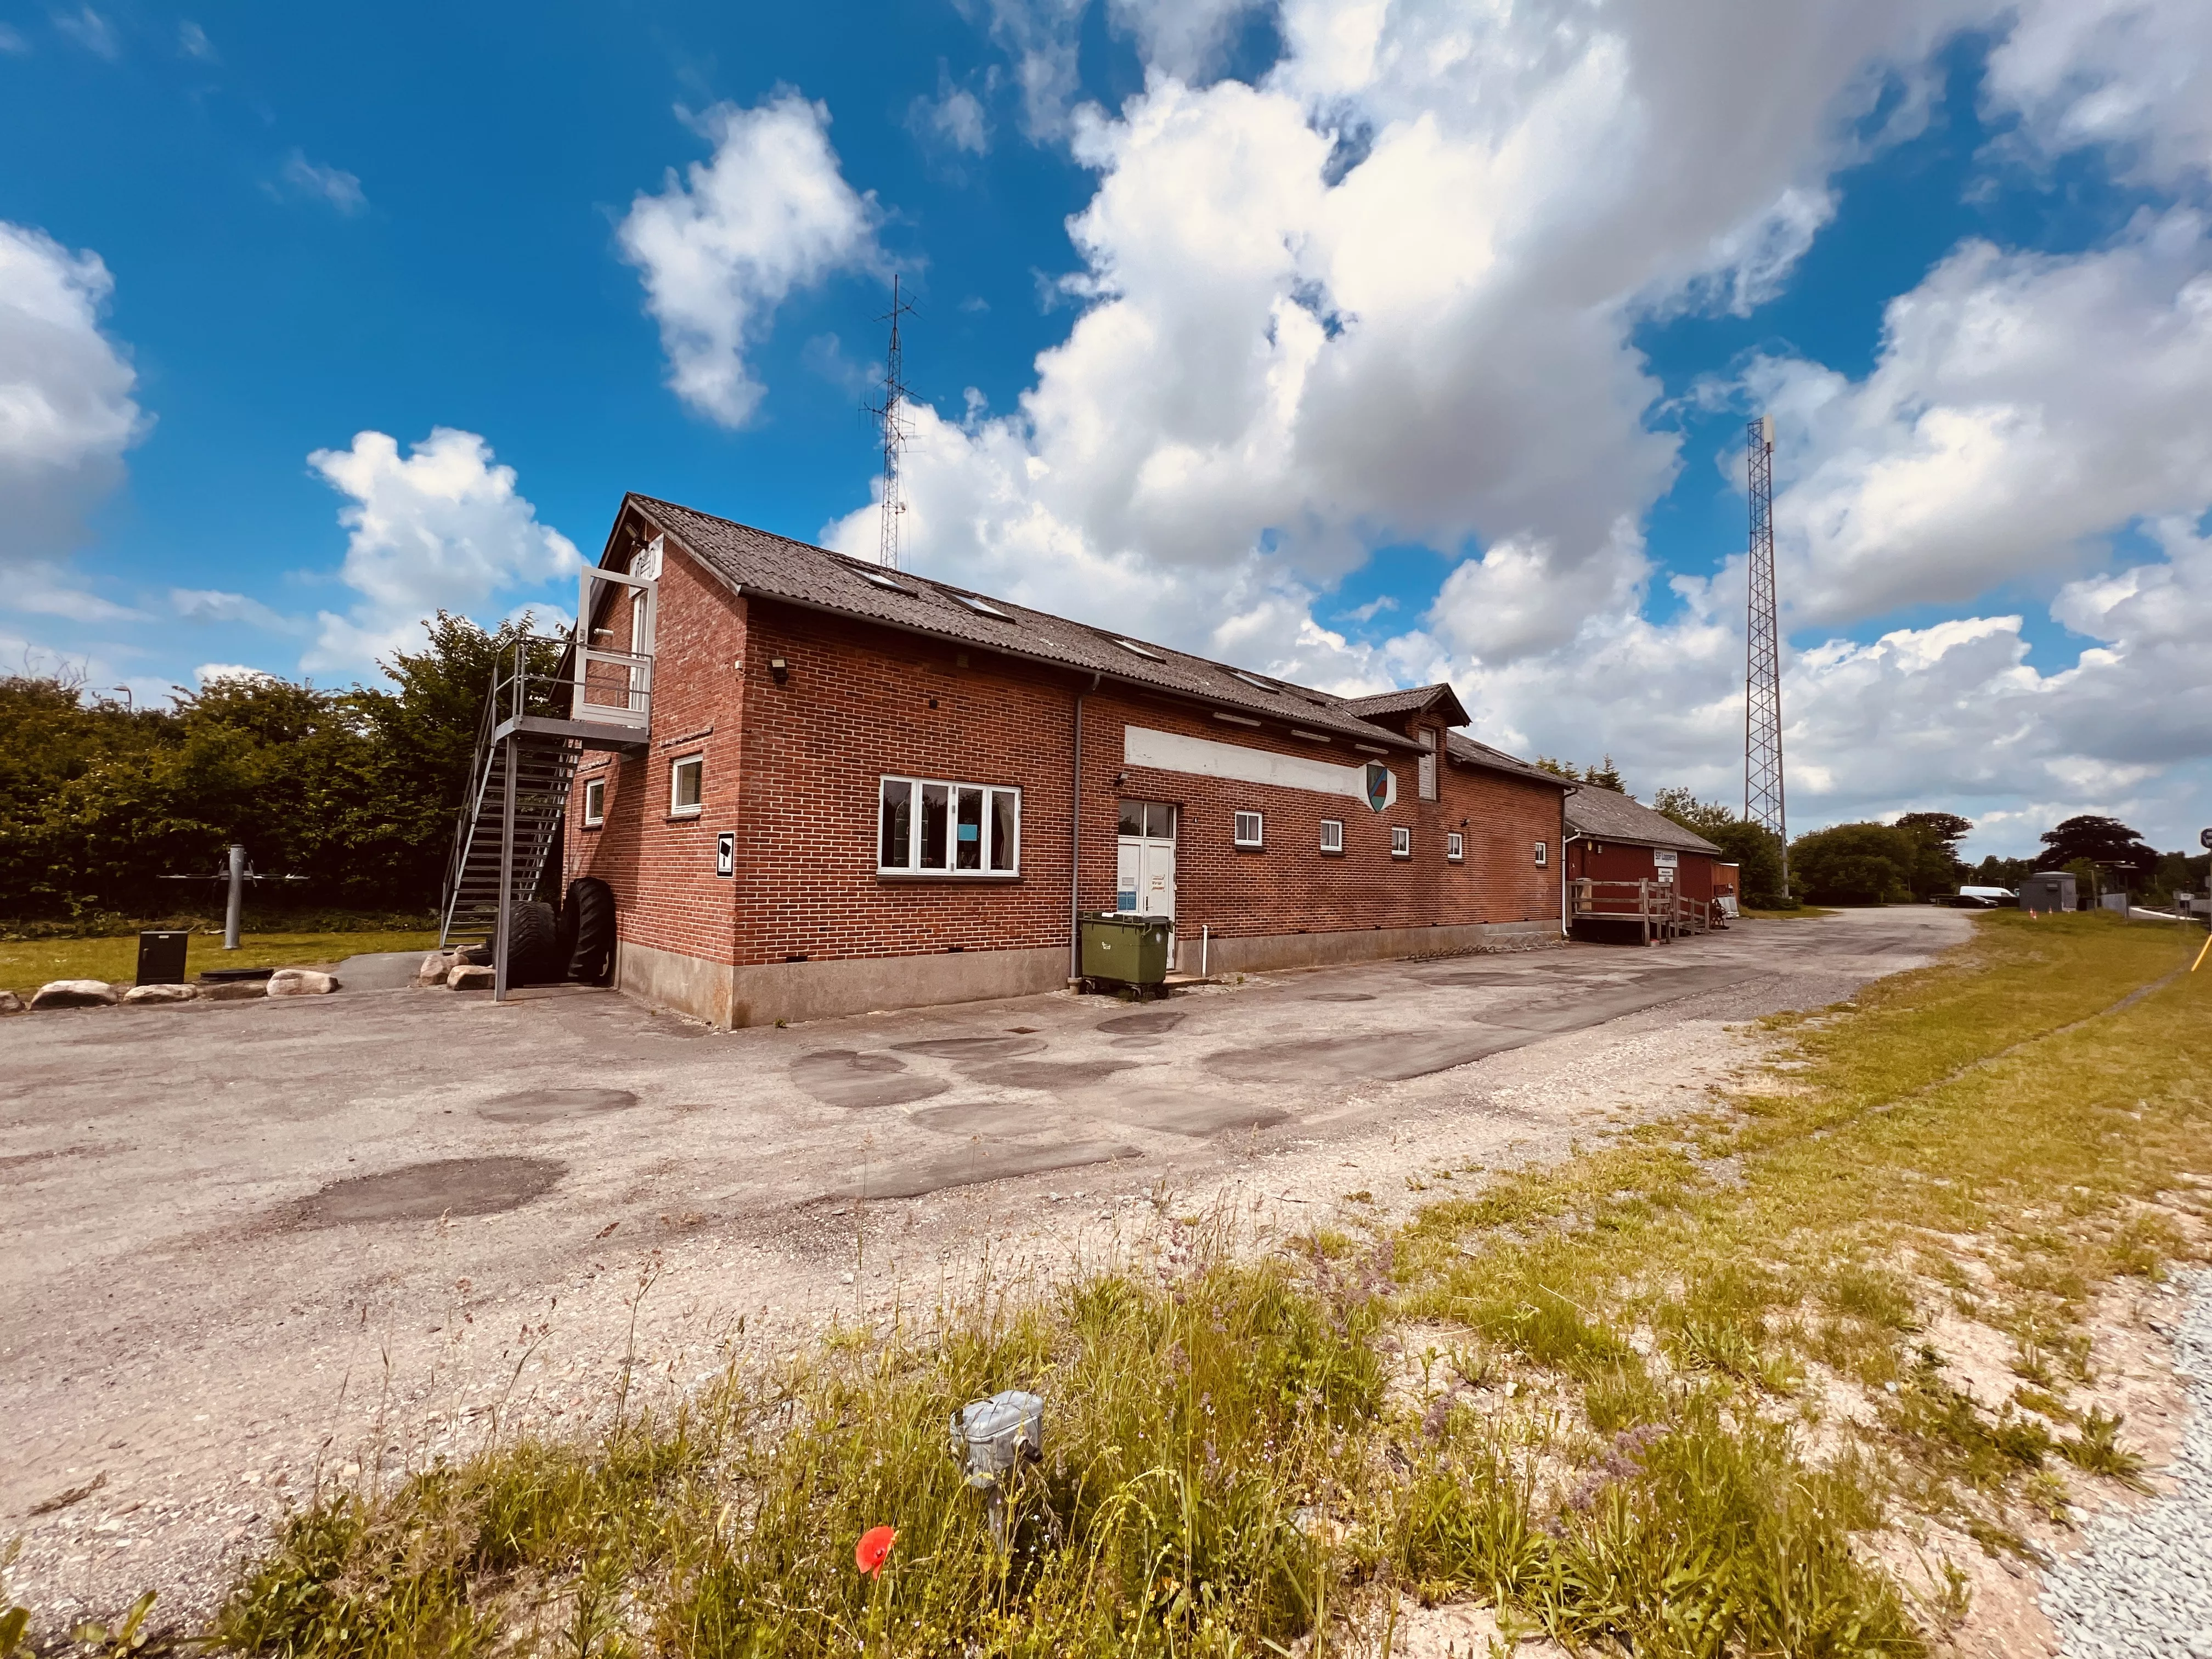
{"x": 1130, "y": 950}
{"x": 2047, "y": 891}
{"x": 161, "y": 958}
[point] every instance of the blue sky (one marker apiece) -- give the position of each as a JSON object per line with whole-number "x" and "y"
{"x": 1360, "y": 342}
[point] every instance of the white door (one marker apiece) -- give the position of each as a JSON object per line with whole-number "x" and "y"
{"x": 1144, "y": 865}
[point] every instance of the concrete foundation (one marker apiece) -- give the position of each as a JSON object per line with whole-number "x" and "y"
{"x": 1265, "y": 952}
{"x": 761, "y": 994}
{"x": 725, "y": 995}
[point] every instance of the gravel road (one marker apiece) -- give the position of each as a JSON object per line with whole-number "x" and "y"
{"x": 2142, "y": 1586}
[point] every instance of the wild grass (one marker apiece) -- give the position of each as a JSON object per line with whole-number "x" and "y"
{"x": 1681, "y": 1400}
{"x": 25, "y": 965}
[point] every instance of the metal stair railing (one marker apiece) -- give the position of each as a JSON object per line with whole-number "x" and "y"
{"x": 517, "y": 799}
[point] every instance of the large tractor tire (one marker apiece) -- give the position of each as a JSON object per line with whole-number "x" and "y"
{"x": 534, "y": 933}
{"x": 590, "y": 921}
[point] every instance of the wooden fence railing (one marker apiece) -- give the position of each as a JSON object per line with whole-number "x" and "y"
{"x": 1659, "y": 909}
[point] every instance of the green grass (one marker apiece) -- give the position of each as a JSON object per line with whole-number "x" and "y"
{"x": 25, "y": 965}
{"x": 1624, "y": 1444}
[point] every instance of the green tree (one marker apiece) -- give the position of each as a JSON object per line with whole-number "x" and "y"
{"x": 1699, "y": 817}
{"x": 1756, "y": 851}
{"x": 1603, "y": 776}
{"x": 1936, "y": 868}
{"x": 1854, "y": 864}
{"x": 2105, "y": 842}
{"x": 1993, "y": 872}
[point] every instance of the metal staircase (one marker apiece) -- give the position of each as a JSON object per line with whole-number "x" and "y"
{"x": 549, "y": 702}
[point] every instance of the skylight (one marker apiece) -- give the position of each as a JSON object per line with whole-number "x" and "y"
{"x": 1251, "y": 679}
{"x": 882, "y": 580}
{"x": 1135, "y": 649}
{"x": 981, "y": 607}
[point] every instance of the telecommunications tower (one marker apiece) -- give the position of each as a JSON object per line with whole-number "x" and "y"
{"x": 1762, "y": 701}
{"x": 891, "y": 412}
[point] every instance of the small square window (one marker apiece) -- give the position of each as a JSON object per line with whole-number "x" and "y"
{"x": 1455, "y": 847}
{"x": 687, "y": 787}
{"x": 1247, "y": 829}
{"x": 1402, "y": 843}
{"x": 1543, "y": 855}
{"x": 1332, "y": 835}
{"x": 595, "y": 802}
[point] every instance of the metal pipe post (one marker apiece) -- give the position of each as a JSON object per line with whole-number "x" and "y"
{"x": 506, "y": 877}
{"x": 230, "y": 916}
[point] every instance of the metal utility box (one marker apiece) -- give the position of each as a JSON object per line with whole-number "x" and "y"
{"x": 2048, "y": 889}
{"x": 161, "y": 958}
{"x": 1128, "y": 948}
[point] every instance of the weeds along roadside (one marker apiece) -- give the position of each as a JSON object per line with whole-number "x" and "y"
{"x": 1672, "y": 1394}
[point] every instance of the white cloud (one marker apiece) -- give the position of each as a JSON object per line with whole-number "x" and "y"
{"x": 12, "y": 40}
{"x": 2024, "y": 407}
{"x": 208, "y": 605}
{"x": 1042, "y": 38}
{"x": 2132, "y": 76}
{"x": 208, "y": 673}
{"x": 40, "y": 589}
{"x": 66, "y": 412}
{"x": 334, "y": 185}
{"x": 91, "y": 31}
{"x": 443, "y": 528}
{"x": 954, "y": 119}
{"x": 721, "y": 248}
{"x": 193, "y": 40}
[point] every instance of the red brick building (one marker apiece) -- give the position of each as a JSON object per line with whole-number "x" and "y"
{"x": 1614, "y": 841}
{"x": 861, "y": 789}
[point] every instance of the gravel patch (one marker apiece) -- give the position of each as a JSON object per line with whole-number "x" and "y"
{"x": 2142, "y": 1582}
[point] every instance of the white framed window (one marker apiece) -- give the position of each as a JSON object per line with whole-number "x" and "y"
{"x": 1455, "y": 847}
{"x": 595, "y": 802}
{"x": 687, "y": 785}
{"x": 1428, "y": 762}
{"x": 1332, "y": 835}
{"x": 934, "y": 827}
{"x": 1402, "y": 843}
{"x": 1248, "y": 828}
{"x": 1543, "y": 855}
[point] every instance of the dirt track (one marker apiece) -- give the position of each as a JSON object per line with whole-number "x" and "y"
{"x": 248, "y": 1239}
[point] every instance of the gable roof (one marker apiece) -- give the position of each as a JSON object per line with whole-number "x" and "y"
{"x": 1607, "y": 815}
{"x": 1415, "y": 700}
{"x": 776, "y": 567}
{"x": 1465, "y": 751}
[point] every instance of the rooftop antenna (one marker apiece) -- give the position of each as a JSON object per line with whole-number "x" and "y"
{"x": 1762, "y": 704}
{"x": 891, "y": 413}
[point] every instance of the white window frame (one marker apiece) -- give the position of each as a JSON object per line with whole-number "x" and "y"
{"x": 1332, "y": 843}
{"x": 695, "y": 763}
{"x": 595, "y": 802}
{"x": 986, "y": 838}
{"x": 1256, "y": 835}
{"x": 1543, "y": 855}
{"x": 1454, "y": 847}
{"x": 1402, "y": 843}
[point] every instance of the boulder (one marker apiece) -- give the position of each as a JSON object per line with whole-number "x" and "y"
{"x": 139, "y": 995}
{"x": 235, "y": 990}
{"x": 10, "y": 1002}
{"x": 469, "y": 977}
{"x": 75, "y": 993}
{"x": 434, "y": 968}
{"x": 300, "y": 982}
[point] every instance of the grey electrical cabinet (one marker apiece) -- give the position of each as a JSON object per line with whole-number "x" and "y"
{"x": 2048, "y": 889}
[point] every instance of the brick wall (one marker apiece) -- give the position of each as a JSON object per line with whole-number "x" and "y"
{"x": 795, "y": 770}
{"x": 662, "y": 868}
{"x": 1621, "y": 861}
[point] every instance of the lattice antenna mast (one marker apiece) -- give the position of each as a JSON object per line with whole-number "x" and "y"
{"x": 1763, "y": 802}
{"x": 891, "y": 413}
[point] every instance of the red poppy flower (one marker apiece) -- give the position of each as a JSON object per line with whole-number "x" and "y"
{"x": 874, "y": 1549}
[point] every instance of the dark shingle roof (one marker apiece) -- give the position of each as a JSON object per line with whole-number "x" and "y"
{"x": 1411, "y": 701}
{"x": 1608, "y": 815}
{"x": 1468, "y": 752}
{"x": 777, "y": 567}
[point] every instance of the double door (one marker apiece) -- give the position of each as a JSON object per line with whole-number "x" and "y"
{"x": 1144, "y": 863}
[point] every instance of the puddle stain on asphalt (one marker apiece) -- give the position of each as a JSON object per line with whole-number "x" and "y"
{"x": 848, "y": 1078}
{"x": 550, "y": 1105}
{"x": 1048, "y": 1074}
{"x": 1160, "y": 1019}
{"x": 1377, "y": 1057}
{"x": 424, "y": 1191}
{"x": 987, "y": 1047}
